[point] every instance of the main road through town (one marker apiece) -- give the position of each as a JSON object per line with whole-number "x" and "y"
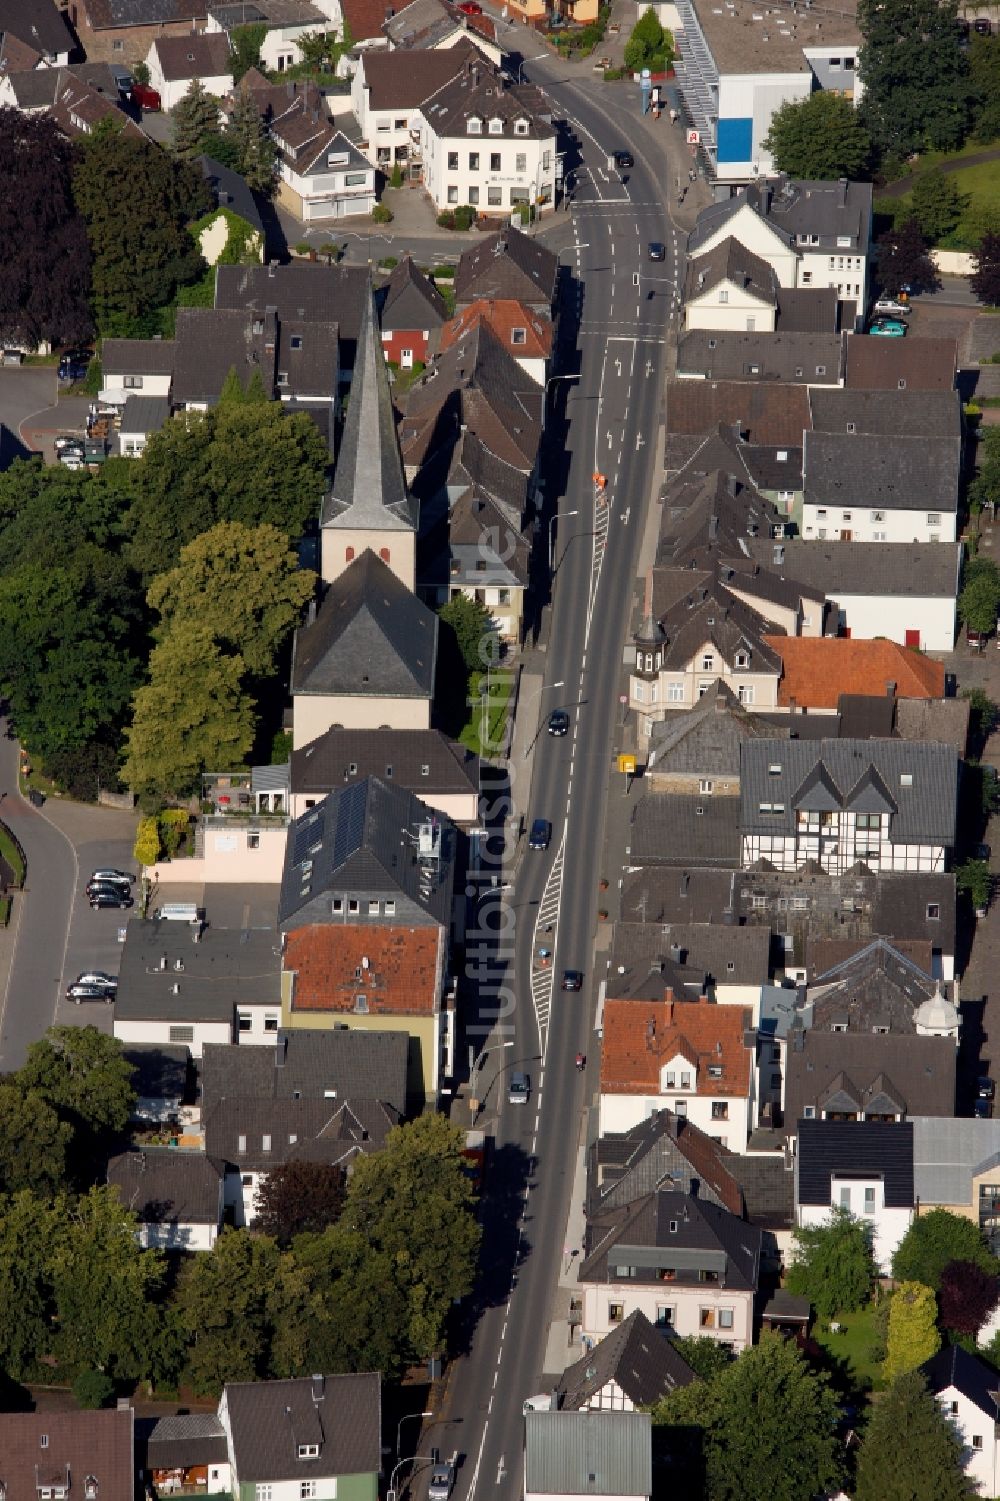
{"x": 621, "y": 304}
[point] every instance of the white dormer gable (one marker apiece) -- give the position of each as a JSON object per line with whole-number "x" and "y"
{"x": 678, "y": 1073}
{"x": 496, "y": 126}
{"x": 521, "y": 126}
{"x": 474, "y": 125}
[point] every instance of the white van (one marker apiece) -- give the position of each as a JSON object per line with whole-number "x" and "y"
{"x": 179, "y": 912}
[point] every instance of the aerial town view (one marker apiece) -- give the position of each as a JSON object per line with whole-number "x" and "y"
{"x": 499, "y": 750}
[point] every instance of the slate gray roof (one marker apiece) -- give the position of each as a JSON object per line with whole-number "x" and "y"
{"x": 860, "y": 776}
{"x": 767, "y": 1182}
{"x": 956, "y": 1367}
{"x": 876, "y": 986}
{"x": 588, "y": 1453}
{"x": 145, "y": 414}
{"x": 102, "y": 13}
{"x": 162, "y": 1186}
{"x": 794, "y": 206}
{"x": 37, "y": 23}
{"x": 342, "y": 1063}
{"x": 507, "y": 264}
{"x": 704, "y": 1235}
{"x": 160, "y": 1071}
{"x": 255, "y": 1135}
{"x": 480, "y": 91}
{"x": 662, "y": 1151}
{"x": 712, "y": 504}
{"x": 640, "y": 1359}
{"x": 226, "y": 968}
{"x": 38, "y": 88}
{"x": 423, "y": 761}
{"x": 895, "y": 473}
{"x": 704, "y": 740}
{"x": 137, "y": 356}
{"x": 763, "y": 413}
{"x": 710, "y": 614}
{"x": 796, "y": 358}
{"x": 300, "y": 291}
{"x": 808, "y": 310}
{"x": 402, "y": 79}
{"x": 410, "y": 299}
{"x": 669, "y": 829}
{"x": 269, "y": 1419}
{"x": 731, "y": 261}
{"x": 210, "y": 342}
{"x": 847, "y": 569}
{"x": 920, "y": 1069}
{"x": 361, "y": 838}
{"x": 368, "y": 489}
{"x": 949, "y": 1154}
{"x": 231, "y": 191}
{"x": 185, "y": 1438}
{"x": 701, "y": 953}
{"x": 945, "y": 720}
{"x": 370, "y": 637}
{"x": 890, "y": 414}
{"x": 654, "y": 894}
{"x": 864, "y": 1149}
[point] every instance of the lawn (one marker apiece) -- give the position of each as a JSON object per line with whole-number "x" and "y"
{"x": 853, "y": 1346}
{"x": 11, "y": 854}
{"x": 484, "y": 730}
{"x": 980, "y": 184}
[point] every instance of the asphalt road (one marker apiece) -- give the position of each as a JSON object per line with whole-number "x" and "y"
{"x": 612, "y": 416}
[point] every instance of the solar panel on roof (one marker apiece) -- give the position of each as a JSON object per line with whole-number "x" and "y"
{"x": 350, "y": 822}
{"x": 305, "y": 835}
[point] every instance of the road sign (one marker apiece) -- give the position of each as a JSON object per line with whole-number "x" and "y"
{"x": 623, "y": 698}
{"x": 626, "y": 765}
{"x": 694, "y": 138}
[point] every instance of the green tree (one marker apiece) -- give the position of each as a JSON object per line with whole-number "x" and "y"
{"x": 903, "y": 259}
{"x": 910, "y": 1450}
{"x": 299, "y": 1198}
{"x": 105, "y": 1287}
{"x": 194, "y": 118}
{"x": 83, "y": 1074}
{"x": 399, "y": 1199}
{"x": 241, "y": 583}
{"x": 33, "y": 1142}
{"x": 820, "y": 137}
{"x": 832, "y": 1265}
{"x": 979, "y": 601}
{"x": 474, "y": 631}
{"x": 255, "y": 151}
{"x": 136, "y": 202}
{"x": 222, "y": 1301}
{"x": 650, "y": 45}
{"x": 932, "y": 1241}
{"x": 984, "y": 79}
{"x": 28, "y": 1226}
{"x": 705, "y": 1356}
{"x": 985, "y": 278}
{"x": 766, "y": 1424}
{"x": 232, "y": 392}
{"x": 93, "y": 1389}
{"x": 937, "y": 204}
{"x": 915, "y": 75}
{"x": 913, "y": 1332}
{"x": 246, "y": 42}
{"x": 191, "y": 716}
{"x": 984, "y": 490}
{"x": 973, "y": 879}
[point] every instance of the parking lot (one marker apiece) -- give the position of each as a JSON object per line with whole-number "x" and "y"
{"x": 25, "y": 391}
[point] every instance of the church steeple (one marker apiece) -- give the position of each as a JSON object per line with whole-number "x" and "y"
{"x": 368, "y": 504}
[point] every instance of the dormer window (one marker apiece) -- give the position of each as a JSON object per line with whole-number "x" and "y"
{"x": 308, "y": 1451}
{"x": 520, "y": 127}
{"x": 474, "y": 126}
{"x": 518, "y": 335}
{"x": 496, "y": 126}
{"x": 361, "y": 1004}
{"x": 90, "y": 1488}
{"x": 742, "y": 660}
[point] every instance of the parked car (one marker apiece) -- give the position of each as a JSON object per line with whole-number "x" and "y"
{"x": 519, "y": 1089}
{"x": 108, "y": 896}
{"x": 983, "y": 1110}
{"x": 98, "y": 977}
{"x": 79, "y": 356}
{"x": 891, "y": 307}
{"x": 79, "y": 993}
{"x": 72, "y": 441}
{"x": 657, "y": 250}
{"x": 985, "y": 1087}
{"x": 36, "y": 798}
{"x": 146, "y": 97}
{"x": 888, "y": 328}
{"x": 982, "y": 26}
{"x": 558, "y": 722}
{"x": 116, "y": 877}
{"x": 541, "y": 833}
{"x": 68, "y": 372}
{"x": 12, "y": 357}
{"x": 572, "y": 979}
{"x": 71, "y": 458}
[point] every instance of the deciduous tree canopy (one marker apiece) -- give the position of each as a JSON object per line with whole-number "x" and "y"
{"x": 819, "y": 137}
{"x": 915, "y": 75}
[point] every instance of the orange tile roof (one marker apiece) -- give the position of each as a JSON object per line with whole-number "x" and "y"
{"x": 503, "y": 315}
{"x": 395, "y": 968}
{"x": 818, "y": 669}
{"x": 641, "y": 1036}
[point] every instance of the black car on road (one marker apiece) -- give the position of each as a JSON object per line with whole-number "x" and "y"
{"x": 558, "y": 722}
{"x": 541, "y": 833}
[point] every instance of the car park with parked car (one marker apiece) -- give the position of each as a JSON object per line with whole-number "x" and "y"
{"x": 888, "y": 328}
{"x": 78, "y": 993}
{"x": 108, "y": 896}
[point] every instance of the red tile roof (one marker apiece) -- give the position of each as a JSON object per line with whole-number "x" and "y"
{"x": 395, "y": 968}
{"x": 641, "y": 1036}
{"x": 818, "y": 669}
{"x": 365, "y": 18}
{"x": 503, "y": 316}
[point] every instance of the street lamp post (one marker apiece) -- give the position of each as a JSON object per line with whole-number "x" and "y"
{"x": 391, "y": 1494}
{"x": 556, "y": 515}
{"x": 475, "y": 1104}
{"x": 404, "y": 1419}
{"x": 553, "y": 378}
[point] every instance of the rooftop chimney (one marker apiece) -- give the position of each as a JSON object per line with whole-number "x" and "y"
{"x": 890, "y": 688}
{"x": 163, "y": 961}
{"x": 280, "y": 1050}
{"x": 318, "y": 1388}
